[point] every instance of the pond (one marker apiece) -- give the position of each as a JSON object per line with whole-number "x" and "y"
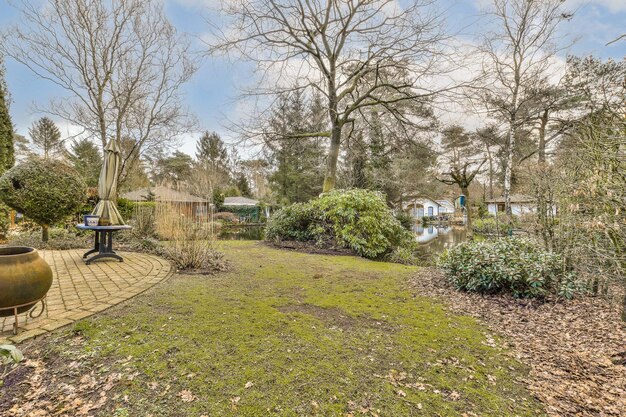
{"x": 243, "y": 232}
{"x": 434, "y": 239}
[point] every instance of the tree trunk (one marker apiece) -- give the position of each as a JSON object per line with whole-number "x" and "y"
{"x": 541, "y": 149}
{"x": 508, "y": 170}
{"x": 490, "y": 172}
{"x": 44, "y": 233}
{"x": 333, "y": 157}
{"x": 465, "y": 192}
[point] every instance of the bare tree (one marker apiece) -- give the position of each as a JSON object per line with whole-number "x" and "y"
{"x": 349, "y": 51}
{"x": 518, "y": 54}
{"x": 122, "y": 62}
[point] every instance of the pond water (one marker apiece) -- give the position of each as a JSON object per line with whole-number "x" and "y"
{"x": 434, "y": 239}
{"x": 243, "y": 232}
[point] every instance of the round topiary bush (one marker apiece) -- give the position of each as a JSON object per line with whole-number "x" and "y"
{"x": 45, "y": 191}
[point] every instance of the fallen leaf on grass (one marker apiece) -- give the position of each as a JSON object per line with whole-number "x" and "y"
{"x": 187, "y": 396}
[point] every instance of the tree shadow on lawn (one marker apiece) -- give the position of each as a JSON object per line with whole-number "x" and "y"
{"x": 282, "y": 333}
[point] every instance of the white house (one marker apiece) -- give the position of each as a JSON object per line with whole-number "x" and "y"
{"x": 446, "y": 207}
{"x": 520, "y": 204}
{"x": 421, "y": 207}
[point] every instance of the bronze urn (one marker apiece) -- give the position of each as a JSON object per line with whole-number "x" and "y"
{"x": 25, "y": 279}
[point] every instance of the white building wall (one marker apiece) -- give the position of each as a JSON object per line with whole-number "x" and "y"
{"x": 517, "y": 209}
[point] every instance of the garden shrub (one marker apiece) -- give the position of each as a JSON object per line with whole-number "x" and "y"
{"x": 126, "y": 208}
{"x": 292, "y": 223}
{"x": 5, "y": 220}
{"x": 514, "y": 265}
{"x": 489, "y": 226}
{"x": 405, "y": 219}
{"x": 359, "y": 220}
{"x": 46, "y": 191}
{"x": 191, "y": 248}
{"x": 59, "y": 239}
{"x": 226, "y": 217}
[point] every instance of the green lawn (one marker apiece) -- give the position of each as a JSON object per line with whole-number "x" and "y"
{"x": 293, "y": 334}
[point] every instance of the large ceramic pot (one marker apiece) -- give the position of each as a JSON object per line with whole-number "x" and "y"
{"x": 25, "y": 278}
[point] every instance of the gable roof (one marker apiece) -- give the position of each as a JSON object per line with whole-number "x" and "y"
{"x": 240, "y": 201}
{"x": 162, "y": 193}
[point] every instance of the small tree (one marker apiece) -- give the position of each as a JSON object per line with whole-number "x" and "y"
{"x": 462, "y": 161}
{"x": 45, "y": 137}
{"x": 46, "y": 191}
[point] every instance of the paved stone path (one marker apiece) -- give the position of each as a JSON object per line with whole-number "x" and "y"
{"x": 80, "y": 290}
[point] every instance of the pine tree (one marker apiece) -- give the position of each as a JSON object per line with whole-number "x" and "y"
{"x": 298, "y": 161}
{"x": 211, "y": 170}
{"x": 7, "y": 153}
{"x": 243, "y": 185}
{"x": 86, "y": 158}
{"x": 45, "y": 137}
{"x": 210, "y": 149}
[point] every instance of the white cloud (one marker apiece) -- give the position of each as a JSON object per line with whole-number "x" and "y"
{"x": 614, "y": 6}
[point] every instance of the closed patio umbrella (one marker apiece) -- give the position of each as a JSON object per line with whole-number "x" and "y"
{"x": 107, "y": 187}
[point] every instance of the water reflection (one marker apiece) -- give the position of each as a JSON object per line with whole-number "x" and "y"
{"x": 434, "y": 239}
{"x": 242, "y": 232}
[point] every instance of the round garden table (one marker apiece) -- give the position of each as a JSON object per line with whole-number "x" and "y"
{"x": 103, "y": 242}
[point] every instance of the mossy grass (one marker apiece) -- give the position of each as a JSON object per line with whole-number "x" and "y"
{"x": 293, "y": 334}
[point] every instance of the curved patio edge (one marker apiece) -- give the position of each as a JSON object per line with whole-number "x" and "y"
{"x": 79, "y": 290}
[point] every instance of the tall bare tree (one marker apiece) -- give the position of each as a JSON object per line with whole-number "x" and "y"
{"x": 350, "y": 51}
{"x": 518, "y": 55}
{"x": 121, "y": 61}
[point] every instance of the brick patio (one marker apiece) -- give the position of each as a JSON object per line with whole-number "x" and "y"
{"x": 80, "y": 290}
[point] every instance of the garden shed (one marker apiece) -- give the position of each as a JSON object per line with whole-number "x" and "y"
{"x": 248, "y": 209}
{"x": 187, "y": 204}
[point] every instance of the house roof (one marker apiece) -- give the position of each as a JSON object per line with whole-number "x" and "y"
{"x": 240, "y": 201}
{"x": 515, "y": 198}
{"x": 162, "y": 193}
{"x": 445, "y": 203}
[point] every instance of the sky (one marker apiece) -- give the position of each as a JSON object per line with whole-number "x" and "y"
{"x": 213, "y": 93}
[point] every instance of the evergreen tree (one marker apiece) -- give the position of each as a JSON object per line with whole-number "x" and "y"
{"x": 86, "y": 158}
{"x": 211, "y": 170}
{"x": 174, "y": 169}
{"x": 7, "y": 153}
{"x": 298, "y": 160}
{"x": 132, "y": 175}
{"x": 243, "y": 185}
{"x": 45, "y": 138}
{"x": 210, "y": 150}
{"x": 21, "y": 146}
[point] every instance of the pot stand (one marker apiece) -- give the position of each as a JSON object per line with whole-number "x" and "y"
{"x": 31, "y": 312}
